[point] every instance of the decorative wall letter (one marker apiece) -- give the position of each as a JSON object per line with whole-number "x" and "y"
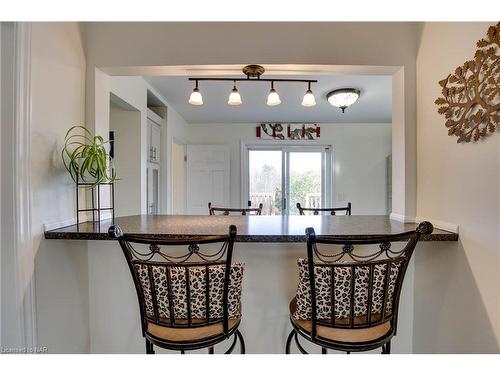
{"x": 471, "y": 95}
{"x": 293, "y": 131}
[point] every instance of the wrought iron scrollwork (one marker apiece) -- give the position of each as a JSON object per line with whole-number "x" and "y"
{"x": 316, "y": 210}
{"x": 348, "y": 248}
{"x": 154, "y": 248}
{"x": 385, "y": 246}
{"x": 348, "y": 251}
{"x": 227, "y": 211}
{"x": 193, "y": 250}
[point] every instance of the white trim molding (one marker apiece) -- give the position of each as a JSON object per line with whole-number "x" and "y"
{"x": 450, "y": 227}
{"x": 439, "y": 224}
{"x": 401, "y": 218}
{"x": 84, "y": 217}
{"x": 22, "y": 183}
{"x": 16, "y": 188}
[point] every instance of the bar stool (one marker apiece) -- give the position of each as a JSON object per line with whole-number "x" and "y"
{"x": 348, "y": 300}
{"x": 227, "y": 211}
{"x": 333, "y": 210}
{"x": 187, "y": 300}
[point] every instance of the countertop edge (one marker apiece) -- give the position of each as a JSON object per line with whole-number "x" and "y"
{"x": 55, "y": 235}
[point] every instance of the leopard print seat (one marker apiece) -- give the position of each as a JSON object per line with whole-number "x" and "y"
{"x": 190, "y": 334}
{"x": 300, "y": 306}
{"x": 342, "y": 288}
{"x": 178, "y": 276}
{"x": 178, "y": 303}
{"x": 342, "y": 334}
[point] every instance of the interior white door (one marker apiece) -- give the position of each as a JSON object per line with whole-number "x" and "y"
{"x": 207, "y": 177}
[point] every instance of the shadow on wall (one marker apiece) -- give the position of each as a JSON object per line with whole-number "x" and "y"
{"x": 450, "y": 316}
{"x": 62, "y": 296}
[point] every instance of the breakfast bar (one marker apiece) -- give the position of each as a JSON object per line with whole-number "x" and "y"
{"x": 269, "y": 246}
{"x": 250, "y": 228}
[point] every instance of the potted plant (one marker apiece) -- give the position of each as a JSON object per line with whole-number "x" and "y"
{"x": 86, "y": 159}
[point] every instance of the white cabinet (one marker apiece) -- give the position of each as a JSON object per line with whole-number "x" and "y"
{"x": 154, "y": 142}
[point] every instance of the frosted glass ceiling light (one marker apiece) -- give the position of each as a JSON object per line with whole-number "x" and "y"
{"x": 195, "y": 98}
{"x": 273, "y": 98}
{"x": 342, "y": 98}
{"x": 234, "y": 96}
{"x": 309, "y": 100}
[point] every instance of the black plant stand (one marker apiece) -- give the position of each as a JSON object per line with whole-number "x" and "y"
{"x": 95, "y": 208}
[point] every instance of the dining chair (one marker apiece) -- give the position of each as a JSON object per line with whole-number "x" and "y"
{"x": 227, "y": 211}
{"x": 333, "y": 210}
{"x": 190, "y": 299}
{"x": 349, "y": 287}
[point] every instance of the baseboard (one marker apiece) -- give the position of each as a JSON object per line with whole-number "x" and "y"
{"x": 59, "y": 224}
{"x": 72, "y": 221}
{"x": 401, "y": 218}
{"x": 443, "y": 225}
{"x": 449, "y": 227}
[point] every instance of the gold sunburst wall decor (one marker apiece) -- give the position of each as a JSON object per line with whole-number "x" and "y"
{"x": 470, "y": 100}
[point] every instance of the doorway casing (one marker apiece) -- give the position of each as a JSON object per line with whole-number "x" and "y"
{"x": 403, "y": 147}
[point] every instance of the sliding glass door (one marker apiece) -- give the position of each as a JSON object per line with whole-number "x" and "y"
{"x": 281, "y": 177}
{"x": 265, "y": 180}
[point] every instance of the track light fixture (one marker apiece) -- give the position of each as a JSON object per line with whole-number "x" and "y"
{"x": 309, "y": 100}
{"x": 273, "y": 99}
{"x": 195, "y": 98}
{"x": 234, "y": 96}
{"x": 253, "y": 73}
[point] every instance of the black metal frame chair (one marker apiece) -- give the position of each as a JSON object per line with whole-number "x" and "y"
{"x": 356, "y": 332}
{"x": 193, "y": 333}
{"x": 333, "y": 210}
{"x": 226, "y": 211}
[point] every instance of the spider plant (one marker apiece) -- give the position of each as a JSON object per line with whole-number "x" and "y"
{"x": 85, "y": 157}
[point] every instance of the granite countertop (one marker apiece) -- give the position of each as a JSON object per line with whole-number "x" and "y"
{"x": 250, "y": 228}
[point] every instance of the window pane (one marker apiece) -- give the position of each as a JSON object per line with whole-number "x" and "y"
{"x": 305, "y": 180}
{"x": 265, "y": 180}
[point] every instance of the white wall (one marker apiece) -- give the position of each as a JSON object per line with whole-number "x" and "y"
{"x": 178, "y": 179}
{"x": 457, "y": 299}
{"x": 58, "y": 102}
{"x": 176, "y": 133}
{"x": 133, "y": 91}
{"x": 360, "y": 152}
{"x": 126, "y": 125}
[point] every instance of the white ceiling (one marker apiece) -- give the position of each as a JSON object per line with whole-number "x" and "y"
{"x": 373, "y": 106}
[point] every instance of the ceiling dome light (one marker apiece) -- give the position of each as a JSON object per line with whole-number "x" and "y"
{"x": 309, "y": 100}
{"x": 273, "y": 98}
{"x": 195, "y": 98}
{"x": 234, "y": 96}
{"x": 343, "y": 98}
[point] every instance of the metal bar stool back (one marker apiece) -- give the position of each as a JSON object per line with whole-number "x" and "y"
{"x": 333, "y": 211}
{"x": 187, "y": 299}
{"x": 349, "y": 289}
{"x": 228, "y": 211}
